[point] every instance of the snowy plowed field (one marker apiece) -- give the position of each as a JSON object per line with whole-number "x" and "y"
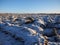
{"x": 42, "y": 30}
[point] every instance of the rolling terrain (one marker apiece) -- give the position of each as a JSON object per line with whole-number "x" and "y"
{"x": 29, "y": 29}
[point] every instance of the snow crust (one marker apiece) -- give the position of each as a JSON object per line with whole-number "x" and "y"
{"x": 18, "y": 32}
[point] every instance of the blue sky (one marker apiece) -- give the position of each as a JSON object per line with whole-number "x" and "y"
{"x": 29, "y": 6}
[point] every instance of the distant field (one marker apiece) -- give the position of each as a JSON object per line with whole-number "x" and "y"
{"x": 27, "y": 14}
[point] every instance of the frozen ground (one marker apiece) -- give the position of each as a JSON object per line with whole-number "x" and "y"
{"x": 30, "y": 30}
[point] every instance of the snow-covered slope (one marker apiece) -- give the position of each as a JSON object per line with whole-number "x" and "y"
{"x": 30, "y": 31}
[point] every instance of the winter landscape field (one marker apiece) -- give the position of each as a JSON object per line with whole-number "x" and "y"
{"x": 29, "y": 29}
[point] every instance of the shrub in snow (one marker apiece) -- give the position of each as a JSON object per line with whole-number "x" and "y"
{"x": 29, "y": 20}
